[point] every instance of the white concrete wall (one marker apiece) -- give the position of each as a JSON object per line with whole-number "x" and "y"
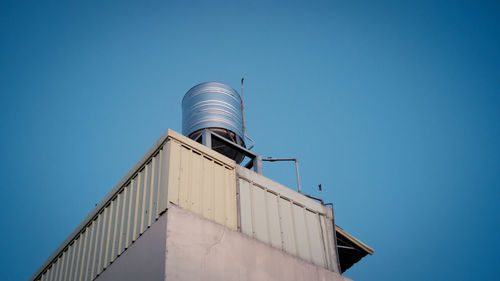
{"x": 199, "y": 249}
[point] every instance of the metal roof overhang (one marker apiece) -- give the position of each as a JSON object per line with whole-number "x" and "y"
{"x": 350, "y": 249}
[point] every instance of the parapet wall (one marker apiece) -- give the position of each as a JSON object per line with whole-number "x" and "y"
{"x": 187, "y": 174}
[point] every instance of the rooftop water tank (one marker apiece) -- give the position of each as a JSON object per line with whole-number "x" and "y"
{"x": 217, "y": 107}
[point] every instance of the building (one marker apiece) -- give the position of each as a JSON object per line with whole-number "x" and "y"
{"x": 186, "y": 212}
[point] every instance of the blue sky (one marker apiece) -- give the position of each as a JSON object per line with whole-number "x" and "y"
{"x": 393, "y": 106}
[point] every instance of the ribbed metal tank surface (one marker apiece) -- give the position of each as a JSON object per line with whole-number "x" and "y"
{"x": 212, "y": 105}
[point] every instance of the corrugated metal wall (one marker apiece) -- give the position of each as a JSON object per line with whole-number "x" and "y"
{"x": 189, "y": 175}
{"x": 202, "y": 184}
{"x": 120, "y": 222}
{"x": 285, "y": 219}
{"x": 208, "y": 184}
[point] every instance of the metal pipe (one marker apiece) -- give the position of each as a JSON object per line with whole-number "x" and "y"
{"x": 270, "y": 159}
{"x": 207, "y": 138}
{"x": 297, "y": 171}
{"x": 316, "y": 198}
{"x": 243, "y": 116}
{"x": 257, "y": 164}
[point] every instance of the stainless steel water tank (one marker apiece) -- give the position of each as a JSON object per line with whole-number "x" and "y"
{"x": 215, "y": 106}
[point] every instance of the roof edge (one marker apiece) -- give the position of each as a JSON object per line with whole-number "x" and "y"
{"x": 354, "y": 240}
{"x": 151, "y": 151}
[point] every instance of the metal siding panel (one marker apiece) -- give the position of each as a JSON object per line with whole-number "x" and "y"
{"x": 230, "y": 192}
{"x": 259, "y": 216}
{"x": 64, "y": 266}
{"x": 90, "y": 251}
{"x": 196, "y": 185}
{"x": 62, "y": 270}
{"x": 78, "y": 257}
{"x": 57, "y": 266}
{"x": 301, "y": 232}
{"x": 124, "y": 220}
{"x": 114, "y": 244}
{"x": 219, "y": 200}
{"x": 49, "y": 273}
{"x": 245, "y": 208}
{"x": 273, "y": 221}
{"x": 147, "y": 197}
{"x": 103, "y": 225}
{"x": 185, "y": 178}
{"x": 326, "y": 242}
{"x": 76, "y": 264}
{"x": 280, "y": 189}
{"x": 45, "y": 275}
{"x": 173, "y": 170}
{"x": 315, "y": 239}
{"x": 130, "y": 215}
{"x": 331, "y": 244}
{"x": 142, "y": 209}
{"x": 69, "y": 262}
{"x": 168, "y": 174}
{"x": 53, "y": 275}
{"x": 152, "y": 188}
{"x": 208, "y": 189}
{"x": 53, "y": 272}
{"x": 190, "y": 176}
{"x": 84, "y": 254}
{"x": 109, "y": 233}
{"x": 135, "y": 208}
{"x": 138, "y": 204}
{"x": 95, "y": 255}
{"x": 287, "y": 228}
{"x": 155, "y": 187}
{"x": 65, "y": 269}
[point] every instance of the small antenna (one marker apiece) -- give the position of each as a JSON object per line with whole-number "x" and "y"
{"x": 243, "y": 116}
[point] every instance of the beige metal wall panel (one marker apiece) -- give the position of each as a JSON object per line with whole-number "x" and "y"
{"x": 202, "y": 183}
{"x": 175, "y": 169}
{"x": 285, "y": 219}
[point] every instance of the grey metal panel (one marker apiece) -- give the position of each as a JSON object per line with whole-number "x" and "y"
{"x": 245, "y": 207}
{"x": 302, "y": 241}
{"x": 285, "y": 219}
{"x": 315, "y": 245}
{"x": 287, "y": 227}
{"x": 115, "y": 224}
{"x": 259, "y": 220}
{"x": 273, "y": 219}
